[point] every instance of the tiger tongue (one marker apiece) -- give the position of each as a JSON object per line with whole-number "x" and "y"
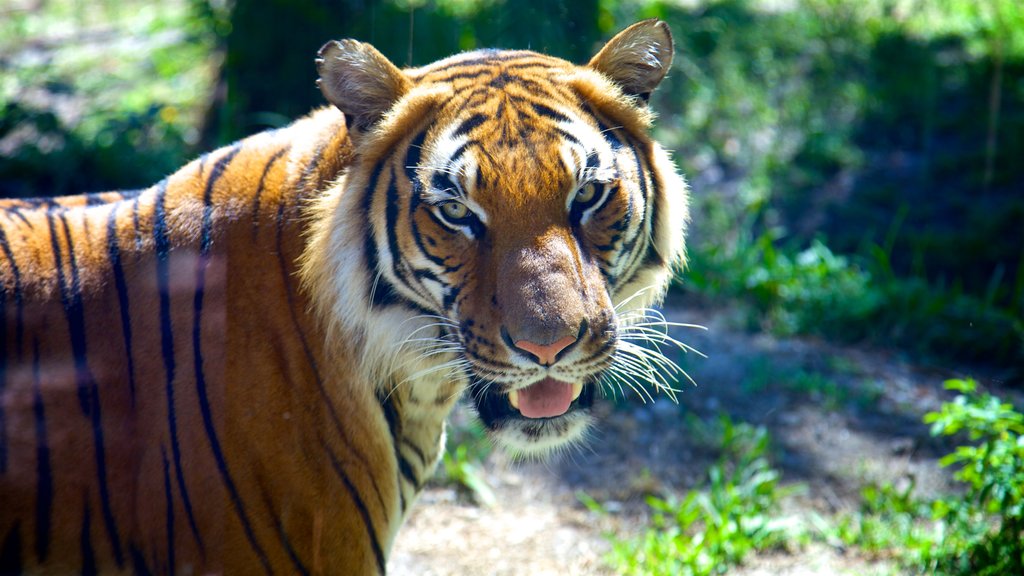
{"x": 545, "y": 399}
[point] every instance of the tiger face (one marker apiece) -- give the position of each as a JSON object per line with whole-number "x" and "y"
{"x": 514, "y": 219}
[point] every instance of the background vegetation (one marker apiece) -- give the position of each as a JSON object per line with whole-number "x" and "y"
{"x": 857, "y": 170}
{"x": 855, "y": 164}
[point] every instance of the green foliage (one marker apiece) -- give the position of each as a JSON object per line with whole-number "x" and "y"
{"x": 85, "y": 89}
{"x": 279, "y": 40}
{"x": 892, "y": 522}
{"x": 818, "y": 292}
{"x": 830, "y": 120}
{"x": 466, "y": 447}
{"x": 989, "y": 25}
{"x": 985, "y": 533}
{"x": 808, "y": 129}
{"x": 978, "y": 532}
{"x": 707, "y": 531}
{"x": 791, "y": 292}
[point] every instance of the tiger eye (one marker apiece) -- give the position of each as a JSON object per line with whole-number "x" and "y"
{"x": 586, "y": 194}
{"x": 455, "y": 210}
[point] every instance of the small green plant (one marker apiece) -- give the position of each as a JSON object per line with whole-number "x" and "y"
{"x": 707, "y": 531}
{"x": 984, "y": 530}
{"x": 980, "y": 531}
{"x": 466, "y": 449}
{"x": 892, "y": 523}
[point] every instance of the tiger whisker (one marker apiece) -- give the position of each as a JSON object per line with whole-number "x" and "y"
{"x": 633, "y": 296}
{"x": 656, "y": 337}
{"x": 627, "y": 377}
{"x": 644, "y": 365}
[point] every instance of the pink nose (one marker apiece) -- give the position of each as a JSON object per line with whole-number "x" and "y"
{"x": 545, "y": 353}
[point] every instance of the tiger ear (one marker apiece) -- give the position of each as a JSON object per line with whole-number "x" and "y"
{"x": 359, "y": 80}
{"x": 637, "y": 58}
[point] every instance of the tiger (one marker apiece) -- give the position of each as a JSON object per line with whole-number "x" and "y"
{"x": 246, "y": 368}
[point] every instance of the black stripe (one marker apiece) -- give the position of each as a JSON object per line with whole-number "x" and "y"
{"x": 88, "y": 552}
{"x": 416, "y": 450}
{"x": 260, "y": 187}
{"x": 635, "y": 257}
{"x": 568, "y": 136}
{"x": 549, "y": 112}
{"x": 379, "y": 290}
{"x": 292, "y": 555}
{"x": 287, "y": 277}
{"x": 394, "y": 421}
{"x": 450, "y": 296}
{"x": 135, "y": 224}
{"x": 169, "y": 520}
{"x": 458, "y": 153}
{"x": 131, "y": 194}
{"x": 281, "y": 532}
{"x": 414, "y": 203}
{"x": 371, "y": 531}
{"x": 205, "y": 242}
{"x": 442, "y": 181}
{"x": 606, "y": 132}
{"x": 466, "y": 75}
{"x": 18, "y": 293}
{"x": 39, "y": 203}
{"x": 98, "y": 198}
{"x": 399, "y": 267}
{"x": 44, "y": 473}
{"x": 407, "y": 470}
{"x": 88, "y": 391}
{"x": 11, "y": 561}
{"x": 313, "y": 164}
{"x": 139, "y": 567}
{"x": 412, "y": 159}
{"x": 653, "y": 257}
{"x": 391, "y": 225}
{"x": 483, "y": 56}
{"x": 163, "y": 249}
{"x": 16, "y": 211}
{"x": 466, "y": 127}
{"x": 290, "y": 297}
{"x": 114, "y": 253}
{"x": 631, "y": 242}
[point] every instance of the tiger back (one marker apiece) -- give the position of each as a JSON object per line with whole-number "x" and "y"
{"x": 246, "y": 368}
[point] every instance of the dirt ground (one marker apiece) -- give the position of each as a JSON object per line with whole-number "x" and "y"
{"x": 839, "y": 418}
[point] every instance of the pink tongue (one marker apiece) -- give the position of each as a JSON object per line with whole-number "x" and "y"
{"x": 545, "y": 399}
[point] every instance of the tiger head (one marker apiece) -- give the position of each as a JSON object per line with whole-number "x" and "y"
{"x": 505, "y": 224}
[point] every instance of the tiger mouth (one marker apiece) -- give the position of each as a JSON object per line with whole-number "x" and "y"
{"x": 547, "y": 399}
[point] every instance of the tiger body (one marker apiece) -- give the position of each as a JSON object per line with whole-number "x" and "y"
{"x": 246, "y": 367}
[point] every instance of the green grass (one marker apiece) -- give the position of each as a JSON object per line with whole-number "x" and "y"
{"x": 706, "y": 531}
{"x": 814, "y": 291}
{"x": 466, "y": 448}
{"x": 978, "y": 531}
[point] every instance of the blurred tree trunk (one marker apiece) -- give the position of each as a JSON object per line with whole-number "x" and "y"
{"x": 268, "y": 77}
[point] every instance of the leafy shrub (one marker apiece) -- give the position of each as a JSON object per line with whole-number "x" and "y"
{"x": 984, "y": 531}
{"x": 707, "y": 531}
{"x": 978, "y": 532}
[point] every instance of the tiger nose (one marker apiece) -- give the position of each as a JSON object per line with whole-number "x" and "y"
{"x": 546, "y": 354}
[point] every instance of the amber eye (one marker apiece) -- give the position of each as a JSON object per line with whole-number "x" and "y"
{"x": 454, "y": 211}
{"x": 586, "y": 194}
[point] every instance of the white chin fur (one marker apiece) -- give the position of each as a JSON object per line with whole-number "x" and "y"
{"x": 536, "y": 438}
